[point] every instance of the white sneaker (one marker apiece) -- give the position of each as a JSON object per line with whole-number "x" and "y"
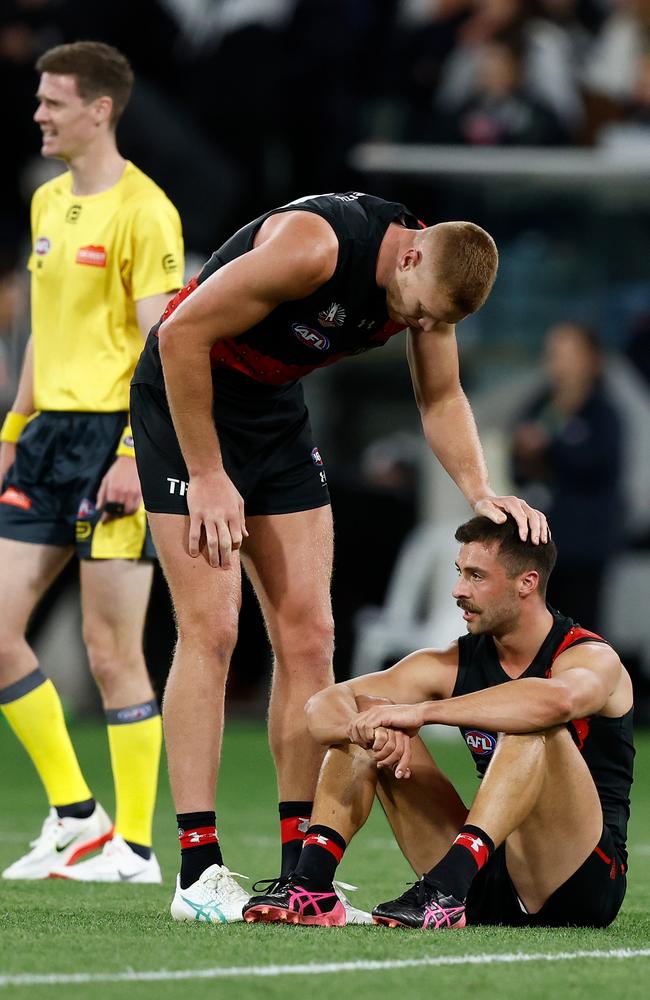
{"x": 117, "y": 863}
{"x": 61, "y": 842}
{"x": 215, "y": 897}
{"x": 352, "y": 914}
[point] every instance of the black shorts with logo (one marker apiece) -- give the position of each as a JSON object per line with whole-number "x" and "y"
{"x": 266, "y": 445}
{"x": 48, "y": 495}
{"x": 591, "y": 897}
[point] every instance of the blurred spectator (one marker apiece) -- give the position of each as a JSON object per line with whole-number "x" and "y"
{"x": 502, "y": 110}
{"x": 566, "y": 454}
{"x": 548, "y": 57}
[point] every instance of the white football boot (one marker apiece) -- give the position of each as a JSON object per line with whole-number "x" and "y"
{"x": 352, "y": 914}
{"x": 215, "y": 897}
{"x": 116, "y": 863}
{"x": 60, "y": 843}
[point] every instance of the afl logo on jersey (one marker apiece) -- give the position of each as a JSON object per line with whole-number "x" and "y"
{"x": 309, "y": 337}
{"x": 42, "y": 246}
{"x": 480, "y": 743}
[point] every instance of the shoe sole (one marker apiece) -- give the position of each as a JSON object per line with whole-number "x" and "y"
{"x": 391, "y": 922}
{"x": 276, "y": 915}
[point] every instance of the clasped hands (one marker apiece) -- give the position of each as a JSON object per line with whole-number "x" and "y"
{"x": 387, "y": 732}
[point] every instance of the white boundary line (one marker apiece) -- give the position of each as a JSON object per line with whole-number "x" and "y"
{"x": 266, "y": 971}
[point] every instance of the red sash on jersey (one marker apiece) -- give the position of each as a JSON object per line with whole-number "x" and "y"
{"x": 573, "y": 636}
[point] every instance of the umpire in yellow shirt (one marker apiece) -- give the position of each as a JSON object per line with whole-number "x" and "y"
{"x": 107, "y": 251}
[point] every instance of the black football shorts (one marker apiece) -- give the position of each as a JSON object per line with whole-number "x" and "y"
{"x": 266, "y": 445}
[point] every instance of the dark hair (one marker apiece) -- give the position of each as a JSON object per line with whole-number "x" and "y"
{"x": 516, "y": 556}
{"x": 100, "y": 71}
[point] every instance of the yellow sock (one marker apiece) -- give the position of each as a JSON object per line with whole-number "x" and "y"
{"x": 135, "y": 741}
{"x": 33, "y": 709}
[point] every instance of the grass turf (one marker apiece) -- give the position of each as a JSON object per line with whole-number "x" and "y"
{"x": 58, "y": 927}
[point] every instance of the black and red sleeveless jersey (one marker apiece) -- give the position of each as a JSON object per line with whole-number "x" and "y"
{"x": 606, "y": 744}
{"x": 347, "y": 315}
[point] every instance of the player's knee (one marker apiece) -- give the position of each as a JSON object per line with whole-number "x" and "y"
{"x": 312, "y": 642}
{"x": 211, "y": 643}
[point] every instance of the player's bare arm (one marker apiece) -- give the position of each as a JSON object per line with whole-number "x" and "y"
{"x": 23, "y": 406}
{"x": 426, "y": 674}
{"x": 121, "y": 485}
{"x": 587, "y": 680}
{"x": 450, "y": 429}
{"x": 291, "y": 263}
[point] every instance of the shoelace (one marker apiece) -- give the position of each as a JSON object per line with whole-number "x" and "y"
{"x": 227, "y": 884}
{"x": 269, "y": 886}
{"x": 49, "y": 832}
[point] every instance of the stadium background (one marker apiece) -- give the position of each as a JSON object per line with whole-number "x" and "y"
{"x": 243, "y": 104}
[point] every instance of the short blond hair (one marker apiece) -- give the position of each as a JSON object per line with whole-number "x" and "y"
{"x": 466, "y": 261}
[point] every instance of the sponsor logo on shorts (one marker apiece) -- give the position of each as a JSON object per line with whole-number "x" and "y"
{"x": 42, "y": 246}
{"x": 86, "y": 508}
{"x": 92, "y": 255}
{"x": 353, "y": 196}
{"x": 127, "y": 441}
{"x": 16, "y": 498}
{"x": 73, "y": 213}
{"x": 169, "y": 263}
{"x": 177, "y": 486}
{"x": 334, "y": 315}
{"x": 323, "y": 478}
{"x": 135, "y": 713}
{"x": 479, "y": 742}
{"x": 82, "y": 530}
{"x": 309, "y": 337}
{"x": 315, "y": 457}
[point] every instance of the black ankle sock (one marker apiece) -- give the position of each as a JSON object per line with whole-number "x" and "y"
{"x": 199, "y": 845}
{"x": 78, "y": 810}
{"x": 321, "y": 853}
{"x": 139, "y": 849}
{"x": 294, "y": 823}
{"x": 467, "y": 855}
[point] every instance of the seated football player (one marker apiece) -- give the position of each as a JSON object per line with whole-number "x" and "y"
{"x": 545, "y": 708}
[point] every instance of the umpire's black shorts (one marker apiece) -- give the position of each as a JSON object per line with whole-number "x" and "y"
{"x": 49, "y": 493}
{"x": 591, "y": 897}
{"x": 266, "y": 446}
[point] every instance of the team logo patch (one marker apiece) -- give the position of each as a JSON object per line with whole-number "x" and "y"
{"x": 479, "y": 742}
{"x": 86, "y": 508}
{"x": 42, "y": 246}
{"x": 73, "y": 213}
{"x": 82, "y": 530}
{"x": 16, "y": 498}
{"x": 316, "y": 457}
{"x": 92, "y": 255}
{"x": 334, "y": 315}
{"x": 169, "y": 263}
{"x": 309, "y": 337}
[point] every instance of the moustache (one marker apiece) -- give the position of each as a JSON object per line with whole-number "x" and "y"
{"x": 464, "y": 606}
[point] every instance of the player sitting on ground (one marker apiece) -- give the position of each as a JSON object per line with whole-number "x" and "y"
{"x": 545, "y": 708}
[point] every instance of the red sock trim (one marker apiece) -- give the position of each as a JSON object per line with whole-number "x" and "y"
{"x": 319, "y": 840}
{"x": 198, "y": 836}
{"x": 294, "y": 828}
{"x": 479, "y": 851}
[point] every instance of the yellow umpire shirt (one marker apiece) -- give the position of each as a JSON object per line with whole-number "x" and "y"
{"x": 93, "y": 257}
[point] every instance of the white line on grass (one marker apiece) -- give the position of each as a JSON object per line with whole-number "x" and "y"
{"x": 266, "y": 971}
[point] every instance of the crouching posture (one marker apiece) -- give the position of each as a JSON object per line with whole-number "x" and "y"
{"x": 545, "y": 709}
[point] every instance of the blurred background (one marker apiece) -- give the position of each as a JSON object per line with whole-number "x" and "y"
{"x": 529, "y": 117}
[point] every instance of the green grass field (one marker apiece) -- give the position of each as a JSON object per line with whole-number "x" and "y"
{"x": 114, "y": 934}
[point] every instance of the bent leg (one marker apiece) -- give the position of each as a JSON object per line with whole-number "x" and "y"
{"x": 289, "y": 560}
{"x": 206, "y": 604}
{"x": 540, "y": 798}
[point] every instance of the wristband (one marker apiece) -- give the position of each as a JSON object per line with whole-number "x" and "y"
{"x": 125, "y": 447}
{"x": 12, "y": 427}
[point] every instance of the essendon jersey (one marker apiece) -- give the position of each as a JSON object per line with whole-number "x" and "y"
{"x": 347, "y": 315}
{"x": 606, "y": 744}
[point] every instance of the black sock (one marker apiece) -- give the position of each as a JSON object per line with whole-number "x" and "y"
{"x": 139, "y": 849}
{"x": 467, "y": 855}
{"x": 197, "y": 833}
{"x": 79, "y": 810}
{"x": 294, "y": 823}
{"x": 322, "y": 850}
